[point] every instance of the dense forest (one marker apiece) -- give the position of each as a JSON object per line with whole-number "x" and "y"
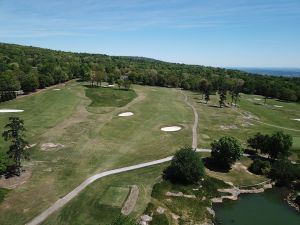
{"x": 30, "y": 68}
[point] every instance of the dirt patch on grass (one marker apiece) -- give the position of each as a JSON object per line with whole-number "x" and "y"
{"x": 131, "y": 200}
{"x": 241, "y": 167}
{"x": 205, "y": 136}
{"x": 51, "y": 146}
{"x": 228, "y": 127}
{"x": 13, "y": 182}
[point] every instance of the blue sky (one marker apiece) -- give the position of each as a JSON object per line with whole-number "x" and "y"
{"x": 258, "y": 33}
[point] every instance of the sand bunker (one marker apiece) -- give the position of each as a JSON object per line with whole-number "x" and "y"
{"x": 110, "y": 85}
{"x": 131, "y": 201}
{"x": 278, "y": 106}
{"x": 56, "y": 89}
{"x": 257, "y": 99}
{"x": 171, "y": 129}
{"x": 51, "y": 146}
{"x": 11, "y": 110}
{"x": 296, "y": 119}
{"x": 125, "y": 114}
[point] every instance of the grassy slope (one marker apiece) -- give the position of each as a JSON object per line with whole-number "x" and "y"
{"x": 211, "y": 118}
{"x": 100, "y": 141}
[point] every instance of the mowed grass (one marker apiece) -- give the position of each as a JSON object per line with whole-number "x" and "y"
{"x": 115, "y": 196}
{"x": 93, "y": 142}
{"x": 109, "y": 97}
{"x": 246, "y": 120}
{"x": 88, "y": 207}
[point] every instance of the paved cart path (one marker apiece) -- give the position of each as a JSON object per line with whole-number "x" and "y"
{"x": 63, "y": 201}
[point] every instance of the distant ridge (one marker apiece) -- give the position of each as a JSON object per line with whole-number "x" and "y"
{"x": 285, "y": 72}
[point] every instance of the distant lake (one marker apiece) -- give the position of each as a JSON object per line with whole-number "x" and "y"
{"x": 287, "y": 72}
{"x": 266, "y": 208}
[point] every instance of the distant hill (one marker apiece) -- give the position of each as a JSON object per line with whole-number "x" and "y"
{"x": 285, "y": 72}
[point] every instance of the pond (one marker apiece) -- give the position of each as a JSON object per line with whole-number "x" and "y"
{"x": 268, "y": 208}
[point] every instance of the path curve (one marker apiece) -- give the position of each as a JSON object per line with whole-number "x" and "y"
{"x": 63, "y": 201}
{"x": 196, "y": 119}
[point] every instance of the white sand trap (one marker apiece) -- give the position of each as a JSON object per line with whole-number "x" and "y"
{"x": 11, "y": 110}
{"x": 296, "y": 119}
{"x": 171, "y": 129}
{"x": 257, "y": 99}
{"x": 56, "y": 89}
{"x": 278, "y": 106}
{"x": 111, "y": 85}
{"x": 124, "y": 114}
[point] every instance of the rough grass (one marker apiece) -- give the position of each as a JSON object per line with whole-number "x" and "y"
{"x": 87, "y": 208}
{"x": 109, "y": 97}
{"x": 93, "y": 142}
{"x": 3, "y": 193}
{"x": 191, "y": 211}
{"x": 211, "y": 118}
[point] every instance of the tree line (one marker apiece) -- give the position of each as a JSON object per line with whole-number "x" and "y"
{"x": 31, "y": 68}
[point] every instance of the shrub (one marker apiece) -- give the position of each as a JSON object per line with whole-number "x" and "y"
{"x": 260, "y": 167}
{"x": 186, "y": 167}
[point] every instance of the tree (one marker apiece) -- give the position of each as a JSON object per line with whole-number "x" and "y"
{"x": 207, "y": 97}
{"x": 203, "y": 86}
{"x": 260, "y": 167}
{"x": 222, "y": 100}
{"x": 127, "y": 84}
{"x": 99, "y": 77}
{"x": 9, "y": 82}
{"x": 257, "y": 142}
{"x": 279, "y": 145}
{"x": 15, "y": 134}
{"x": 186, "y": 167}
{"x": 120, "y": 83}
{"x": 236, "y": 87}
{"x": 29, "y": 82}
{"x": 226, "y": 151}
{"x": 283, "y": 172}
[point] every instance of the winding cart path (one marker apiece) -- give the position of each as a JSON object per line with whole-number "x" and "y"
{"x": 63, "y": 201}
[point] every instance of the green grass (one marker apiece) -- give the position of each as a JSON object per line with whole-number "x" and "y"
{"x": 115, "y": 196}
{"x": 93, "y": 142}
{"x": 96, "y": 142}
{"x": 211, "y": 119}
{"x": 3, "y": 193}
{"x": 109, "y": 97}
{"x": 88, "y": 207}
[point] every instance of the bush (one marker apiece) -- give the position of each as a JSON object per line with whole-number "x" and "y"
{"x": 186, "y": 167}
{"x": 298, "y": 199}
{"x": 226, "y": 151}
{"x": 260, "y": 167}
{"x": 3, "y": 162}
{"x": 283, "y": 172}
{"x": 124, "y": 220}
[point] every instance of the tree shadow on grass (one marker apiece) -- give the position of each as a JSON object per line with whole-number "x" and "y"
{"x": 210, "y": 164}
